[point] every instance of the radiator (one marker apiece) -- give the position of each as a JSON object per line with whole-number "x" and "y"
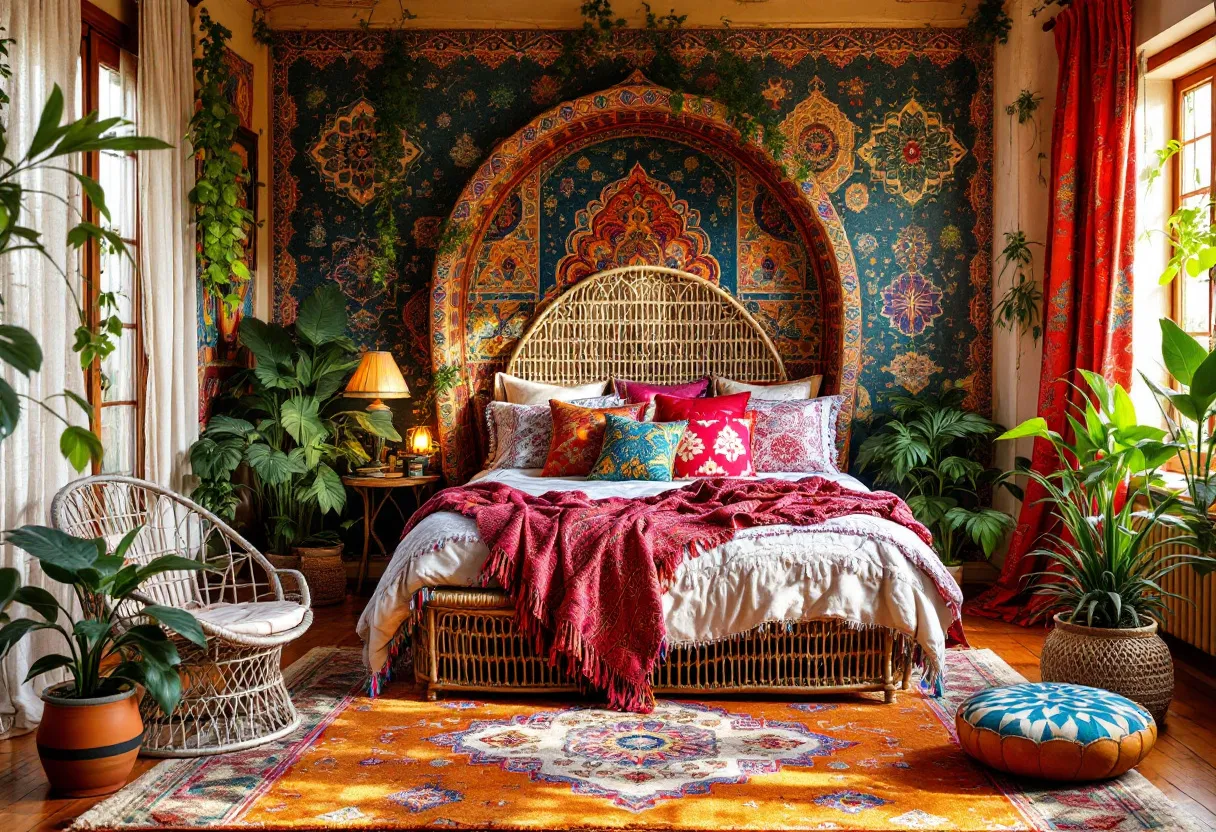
{"x": 1194, "y": 622}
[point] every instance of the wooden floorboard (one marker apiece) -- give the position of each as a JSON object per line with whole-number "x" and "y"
{"x": 1183, "y": 765}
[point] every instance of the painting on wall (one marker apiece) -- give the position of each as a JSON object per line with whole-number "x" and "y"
{"x": 895, "y": 125}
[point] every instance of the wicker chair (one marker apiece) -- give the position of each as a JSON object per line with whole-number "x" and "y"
{"x": 233, "y": 694}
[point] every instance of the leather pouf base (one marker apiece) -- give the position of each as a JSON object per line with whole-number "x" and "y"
{"x": 1055, "y": 732}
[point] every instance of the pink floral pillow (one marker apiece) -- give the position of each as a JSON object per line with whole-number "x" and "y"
{"x": 797, "y": 436}
{"x": 639, "y": 391}
{"x": 715, "y": 448}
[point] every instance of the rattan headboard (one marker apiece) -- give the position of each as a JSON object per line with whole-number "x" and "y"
{"x": 648, "y": 323}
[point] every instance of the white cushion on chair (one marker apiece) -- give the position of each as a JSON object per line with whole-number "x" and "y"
{"x": 254, "y": 618}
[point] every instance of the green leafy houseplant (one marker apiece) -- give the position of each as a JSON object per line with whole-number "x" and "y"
{"x": 928, "y": 451}
{"x": 223, "y": 223}
{"x": 111, "y": 645}
{"x": 288, "y": 424}
{"x": 1020, "y": 307}
{"x": 1188, "y": 411}
{"x": 1106, "y": 570}
{"x": 50, "y": 150}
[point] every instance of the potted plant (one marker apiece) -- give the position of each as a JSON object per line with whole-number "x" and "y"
{"x": 91, "y": 730}
{"x": 1103, "y": 584}
{"x": 928, "y": 451}
{"x": 287, "y": 422}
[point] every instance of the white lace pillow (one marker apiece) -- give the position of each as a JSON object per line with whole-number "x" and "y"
{"x": 508, "y": 388}
{"x": 803, "y": 388}
{"x": 797, "y": 436}
{"x": 520, "y": 434}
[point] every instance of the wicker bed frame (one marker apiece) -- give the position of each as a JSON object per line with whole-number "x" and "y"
{"x": 659, "y": 325}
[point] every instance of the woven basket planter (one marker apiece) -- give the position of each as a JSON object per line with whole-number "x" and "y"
{"x": 326, "y": 575}
{"x": 1131, "y": 662}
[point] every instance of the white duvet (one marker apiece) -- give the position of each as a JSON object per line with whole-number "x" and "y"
{"x": 863, "y": 570}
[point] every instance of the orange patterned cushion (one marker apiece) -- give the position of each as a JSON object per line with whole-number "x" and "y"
{"x": 578, "y": 434}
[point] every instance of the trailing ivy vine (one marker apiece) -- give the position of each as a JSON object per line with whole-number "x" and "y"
{"x": 1020, "y": 307}
{"x": 395, "y": 97}
{"x": 736, "y": 84}
{"x": 223, "y": 223}
{"x": 990, "y": 23}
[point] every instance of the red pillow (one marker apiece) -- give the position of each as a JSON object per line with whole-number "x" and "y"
{"x": 640, "y": 391}
{"x": 675, "y": 409}
{"x": 715, "y": 448}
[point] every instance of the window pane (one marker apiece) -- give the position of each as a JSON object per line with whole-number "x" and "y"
{"x": 118, "y": 276}
{"x": 116, "y": 176}
{"x": 118, "y": 370}
{"x": 1197, "y": 165}
{"x": 1197, "y": 112}
{"x": 114, "y": 99}
{"x": 118, "y": 436}
{"x": 1195, "y": 302}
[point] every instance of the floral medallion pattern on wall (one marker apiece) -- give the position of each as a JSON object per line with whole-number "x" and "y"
{"x": 911, "y": 152}
{"x": 824, "y": 134}
{"x": 343, "y": 153}
{"x": 895, "y": 123}
{"x": 636, "y": 221}
{"x": 911, "y": 302}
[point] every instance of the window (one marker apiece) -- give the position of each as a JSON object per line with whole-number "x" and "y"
{"x": 115, "y": 384}
{"x": 1193, "y": 187}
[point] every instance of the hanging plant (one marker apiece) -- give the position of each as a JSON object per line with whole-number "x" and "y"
{"x": 223, "y": 223}
{"x": 1023, "y": 108}
{"x": 1020, "y": 308}
{"x": 395, "y": 99}
{"x": 262, "y": 33}
{"x": 990, "y": 23}
{"x": 738, "y": 84}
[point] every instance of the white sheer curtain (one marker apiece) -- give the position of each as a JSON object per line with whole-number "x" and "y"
{"x": 166, "y": 263}
{"x": 35, "y": 297}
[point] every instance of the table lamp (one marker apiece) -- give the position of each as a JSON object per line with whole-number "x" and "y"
{"x": 377, "y": 377}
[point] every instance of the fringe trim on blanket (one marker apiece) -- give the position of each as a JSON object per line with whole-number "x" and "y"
{"x": 581, "y": 661}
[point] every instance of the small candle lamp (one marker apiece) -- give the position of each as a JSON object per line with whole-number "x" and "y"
{"x": 421, "y": 446}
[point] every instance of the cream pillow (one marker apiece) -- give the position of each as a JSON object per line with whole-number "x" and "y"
{"x": 803, "y": 388}
{"x": 516, "y": 390}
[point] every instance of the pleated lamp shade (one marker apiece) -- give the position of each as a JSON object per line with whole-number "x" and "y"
{"x": 377, "y": 377}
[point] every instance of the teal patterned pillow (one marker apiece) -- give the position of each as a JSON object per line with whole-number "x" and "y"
{"x": 637, "y": 450}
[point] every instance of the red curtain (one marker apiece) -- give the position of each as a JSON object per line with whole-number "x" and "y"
{"x": 1091, "y": 230}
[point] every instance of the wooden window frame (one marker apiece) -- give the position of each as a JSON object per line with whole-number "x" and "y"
{"x": 102, "y": 40}
{"x": 1182, "y": 85}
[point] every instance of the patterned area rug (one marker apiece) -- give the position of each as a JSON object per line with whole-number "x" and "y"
{"x": 397, "y": 762}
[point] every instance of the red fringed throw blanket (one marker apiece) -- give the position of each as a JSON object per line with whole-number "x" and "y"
{"x": 587, "y": 576}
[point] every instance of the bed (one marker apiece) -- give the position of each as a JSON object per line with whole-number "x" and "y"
{"x": 846, "y": 606}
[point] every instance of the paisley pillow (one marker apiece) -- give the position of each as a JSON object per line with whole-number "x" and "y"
{"x": 578, "y": 434}
{"x": 796, "y": 436}
{"x": 637, "y": 450}
{"x": 520, "y": 434}
{"x": 672, "y": 408}
{"x": 715, "y": 448}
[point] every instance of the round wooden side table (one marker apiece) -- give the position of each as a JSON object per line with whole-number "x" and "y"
{"x": 376, "y": 492}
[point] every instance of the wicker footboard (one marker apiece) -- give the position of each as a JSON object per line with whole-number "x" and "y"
{"x": 466, "y": 640}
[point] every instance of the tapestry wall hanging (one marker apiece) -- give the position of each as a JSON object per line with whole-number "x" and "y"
{"x": 894, "y": 126}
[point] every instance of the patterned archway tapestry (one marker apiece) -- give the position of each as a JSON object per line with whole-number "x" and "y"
{"x": 623, "y": 176}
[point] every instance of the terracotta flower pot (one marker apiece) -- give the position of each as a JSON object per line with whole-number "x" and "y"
{"x": 1132, "y": 662}
{"x": 88, "y": 746}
